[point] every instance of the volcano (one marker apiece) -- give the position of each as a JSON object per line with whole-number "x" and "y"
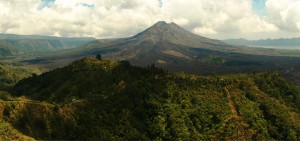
{"x": 163, "y": 44}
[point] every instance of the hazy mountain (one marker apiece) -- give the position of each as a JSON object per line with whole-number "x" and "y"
{"x": 11, "y": 44}
{"x": 16, "y": 37}
{"x": 265, "y": 42}
{"x": 7, "y": 49}
{"x": 94, "y": 99}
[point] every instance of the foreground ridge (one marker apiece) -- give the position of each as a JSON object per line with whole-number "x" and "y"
{"x": 93, "y": 99}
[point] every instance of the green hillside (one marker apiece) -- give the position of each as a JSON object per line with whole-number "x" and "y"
{"x": 94, "y": 99}
{"x": 8, "y": 133}
{"x": 7, "y": 130}
{"x": 10, "y": 74}
{"x": 7, "y": 50}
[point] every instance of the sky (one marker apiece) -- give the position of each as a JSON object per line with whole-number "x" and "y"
{"x": 218, "y": 19}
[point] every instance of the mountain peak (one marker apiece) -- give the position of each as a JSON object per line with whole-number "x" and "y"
{"x": 161, "y": 25}
{"x": 173, "y": 33}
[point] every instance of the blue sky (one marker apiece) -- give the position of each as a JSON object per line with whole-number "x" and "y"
{"x": 45, "y": 3}
{"x": 86, "y": 5}
{"x": 160, "y": 3}
{"x": 259, "y": 7}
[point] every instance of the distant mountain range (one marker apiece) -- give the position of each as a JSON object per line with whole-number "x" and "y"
{"x": 265, "y": 42}
{"x": 11, "y": 44}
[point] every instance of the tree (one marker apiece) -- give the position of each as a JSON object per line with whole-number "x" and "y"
{"x": 99, "y": 57}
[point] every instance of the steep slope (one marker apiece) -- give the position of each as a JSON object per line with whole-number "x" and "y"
{"x": 8, "y": 133}
{"x": 7, "y": 130}
{"x": 111, "y": 100}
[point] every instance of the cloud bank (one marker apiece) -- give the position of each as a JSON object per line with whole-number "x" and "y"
{"x": 121, "y": 18}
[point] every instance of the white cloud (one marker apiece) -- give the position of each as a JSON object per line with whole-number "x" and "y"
{"x": 121, "y": 18}
{"x": 285, "y": 14}
{"x": 181, "y": 21}
{"x": 204, "y": 30}
{"x": 255, "y": 24}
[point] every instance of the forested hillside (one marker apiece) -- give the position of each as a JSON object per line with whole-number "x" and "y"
{"x": 7, "y": 130}
{"x": 10, "y": 74}
{"x": 109, "y": 100}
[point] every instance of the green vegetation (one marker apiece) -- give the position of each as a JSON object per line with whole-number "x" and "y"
{"x": 7, "y": 50}
{"x": 213, "y": 60}
{"x": 10, "y": 74}
{"x": 95, "y": 99}
{"x": 8, "y": 133}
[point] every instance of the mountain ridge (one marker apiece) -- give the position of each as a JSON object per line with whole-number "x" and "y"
{"x": 17, "y": 36}
{"x": 15, "y": 45}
